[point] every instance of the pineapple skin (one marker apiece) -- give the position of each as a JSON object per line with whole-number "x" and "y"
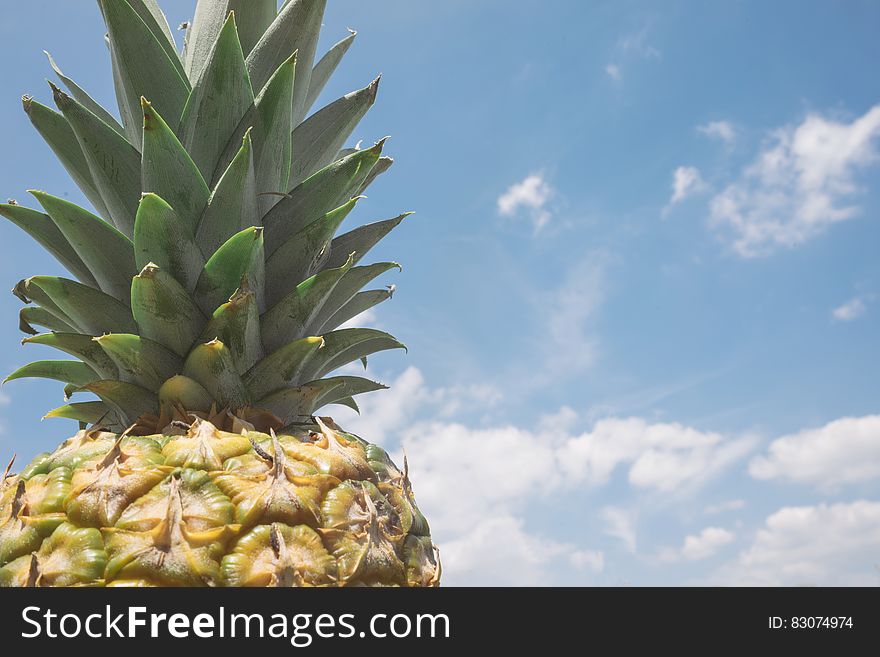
{"x": 197, "y": 506}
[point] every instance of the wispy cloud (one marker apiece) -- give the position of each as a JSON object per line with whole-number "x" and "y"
{"x": 613, "y": 71}
{"x": 634, "y": 45}
{"x": 686, "y": 181}
{"x": 800, "y": 184}
{"x": 532, "y": 196}
{"x": 850, "y": 311}
{"x": 620, "y": 523}
{"x": 722, "y": 130}
{"x": 722, "y": 507}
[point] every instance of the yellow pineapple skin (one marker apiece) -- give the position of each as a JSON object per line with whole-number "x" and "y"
{"x": 197, "y": 506}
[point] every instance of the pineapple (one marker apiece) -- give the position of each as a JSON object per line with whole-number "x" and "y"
{"x": 205, "y": 321}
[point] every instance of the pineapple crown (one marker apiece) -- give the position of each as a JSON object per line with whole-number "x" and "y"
{"x": 211, "y": 279}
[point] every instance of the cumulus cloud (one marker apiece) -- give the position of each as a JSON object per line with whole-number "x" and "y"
{"x": 706, "y": 543}
{"x": 722, "y": 130}
{"x": 823, "y": 545}
{"x": 531, "y": 195}
{"x": 803, "y": 182}
{"x": 845, "y": 451}
{"x": 851, "y": 310}
{"x": 500, "y": 552}
{"x": 474, "y": 483}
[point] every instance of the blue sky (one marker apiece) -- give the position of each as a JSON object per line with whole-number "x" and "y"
{"x": 641, "y": 292}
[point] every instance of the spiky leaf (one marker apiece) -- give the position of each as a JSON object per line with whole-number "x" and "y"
{"x": 347, "y": 346}
{"x": 237, "y": 324}
{"x": 139, "y": 360}
{"x": 220, "y": 98}
{"x": 114, "y": 163}
{"x": 164, "y": 312}
{"x": 41, "y": 227}
{"x": 128, "y": 400}
{"x": 325, "y": 68}
{"x": 161, "y": 237}
{"x": 169, "y": 172}
{"x": 319, "y": 138}
{"x": 107, "y": 253}
{"x": 67, "y": 371}
{"x": 82, "y": 347}
{"x": 283, "y": 368}
{"x": 233, "y": 205}
{"x": 361, "y": 240}
{"x": 240, "y": 258}
{"x": 303, "y": 254}
{"x": 87, "y": 309}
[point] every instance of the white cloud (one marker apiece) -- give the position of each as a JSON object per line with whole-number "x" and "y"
{"x": 500, "y": 552}
{"x": 706, "y": 543}
{"x": 722, "y": 130}
{"x": 722, "y": 507}
{"x": 532, "y": 194}
{"x": 824, "y": 545}
{"x": 686, "y": 181}
{"x": 799, "y": 185}
{"x": 620, "y": 523}
{"x": 845, "y": 451}
{"x": 5, "y": 399}
{"x": 474, "y": 483}
{"x": 613, "y": 71}
{"x": 850, "y": 311}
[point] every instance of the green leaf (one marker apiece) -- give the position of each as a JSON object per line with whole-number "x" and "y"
{"x": 128, "y": 400}
{"x": 233, "y": 205}
{"x": 325, "y": 68}
{"x": 253, "y": 17}
{"x": 169, "y": 172}
{"x": 361, "y": 240}
{"x": 80, "y": 346}
{"x": 240, "y": 258}
{"x": 58, "y": 134}
{"x": 164, "y": 312}
{"x": 291, "y": 404}
{"x": 303, "y": 254}
{"x": 139, "y": 360}
{"x": 67, "y": 371}
{"x": 237, "y": 324}
{"x": 131, "y": 114}
{"x": 320, "y": 137}
{"x": 212, "y": 366}
{"x": 295, "y": 29}
{"x": 157, "y": 23}
{"x": 181, "y": 392}
{"x": 383, "y": 165}
{"x": 28, "y": 293}
{"x": 346, "y": 346}
{"x": 282, "y": 368}
{"x": 85, "y": 99}
{"x": 288, "y": 319}
{"x": 273, "y": 113}
{"x": 107, "y": 253}
{"x": 41, "y": 227}
{"x": 161, "y": 237}
{"x": 87, "y": 309}
{"x": 90, "y": 412}
{"x": 328, "y": 189}
{"x": 342, "y": 387}
{"x": 353, "y": 281}
{"x": 114, "y": 163}
{"x": 358, "y": 304}
{"x": 144, "y": 62}
{"x": 35, "y": 316}
{"x": 349, "y": 402}
{"x": 219, "y": 100}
